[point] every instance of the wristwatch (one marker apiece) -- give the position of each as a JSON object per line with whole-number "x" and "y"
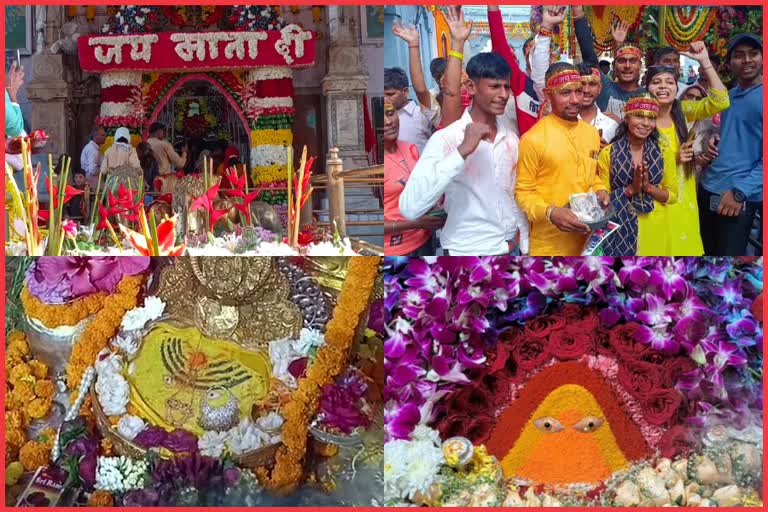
{"x": 739, "y": 196}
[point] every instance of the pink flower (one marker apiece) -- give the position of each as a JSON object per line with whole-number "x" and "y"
{"x": 70, "y": 227}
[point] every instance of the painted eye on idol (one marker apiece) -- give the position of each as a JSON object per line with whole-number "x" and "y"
{"x": 548, "y": 424}
{"x": 588, "y": 424}
{"x": 168, "y": 380}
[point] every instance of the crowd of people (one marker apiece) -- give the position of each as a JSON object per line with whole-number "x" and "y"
{"x": 492, "y": 158}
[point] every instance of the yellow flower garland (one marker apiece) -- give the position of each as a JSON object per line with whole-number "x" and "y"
{"x": 269, "y": 174}
{"x": 282, "y": 137}
{"x": 330, "y": 362}
{"x": 58, "y": 315}
{"x": 102, "y": 328}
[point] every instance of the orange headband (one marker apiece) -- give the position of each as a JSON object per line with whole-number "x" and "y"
{"x": 631, "y": 50}
{"x": 644, "y": 106}
{"x": 563, "y": 79}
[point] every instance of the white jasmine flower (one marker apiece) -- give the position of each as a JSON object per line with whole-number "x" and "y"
{"x": 424, "y": 433}
{"x": 270, "y": 422}
{"x": 138, "y": 317}
{"x": 120, "y": 474}
{"x": 154, "y": 307}
{"x": 107, "y": 362}
{"x": 246, "y": 437}
{"x": 309, "y": 339}
{"x": 130, "y": 426}
{"x": 212, "y": 443}
{"x": 127, "y": 343}
{"x": 113, "y": 392}
{"x": 282, "y": 353}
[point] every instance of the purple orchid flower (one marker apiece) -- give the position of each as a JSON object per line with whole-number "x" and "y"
{"x": 668, "y": 279}
{"x": 658, "y": 338}
{"x": 657, "y": 311}
{"x": 400, "y": 420}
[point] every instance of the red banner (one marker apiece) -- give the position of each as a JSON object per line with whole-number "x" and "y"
{"x": 186, "y": 51}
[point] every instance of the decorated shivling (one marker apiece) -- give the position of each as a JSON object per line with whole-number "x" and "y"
{"x": 573, "y": 382}
{"x": 194, "y": 381}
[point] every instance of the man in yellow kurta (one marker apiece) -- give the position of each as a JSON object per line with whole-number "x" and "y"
{"x": 558, "y": 158}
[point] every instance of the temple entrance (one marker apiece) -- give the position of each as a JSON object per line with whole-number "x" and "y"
{"x": 196, "y": 112}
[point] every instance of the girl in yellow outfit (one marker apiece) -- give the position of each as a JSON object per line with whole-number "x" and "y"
{"x": 641, "y": 176}
{"x": 682, "y": 230}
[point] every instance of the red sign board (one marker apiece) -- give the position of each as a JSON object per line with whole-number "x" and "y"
{"x": 185, "y": 51}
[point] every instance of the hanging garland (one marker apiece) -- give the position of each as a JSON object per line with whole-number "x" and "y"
{"x": 688, "y": 24}
{"x": 180, "y": 16}
{"x": 602, "y": 16}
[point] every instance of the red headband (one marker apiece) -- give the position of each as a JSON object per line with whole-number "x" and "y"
{"x": 642, "y": 106}
{"x": 563, "y": 79}
{"x": 631, "y": 50}
{"x": 594, "y": 76}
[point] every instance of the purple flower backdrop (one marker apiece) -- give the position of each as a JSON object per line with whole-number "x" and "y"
{"x": 444, "y": 315}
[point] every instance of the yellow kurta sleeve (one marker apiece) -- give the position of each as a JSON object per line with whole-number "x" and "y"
{"x": 604, "y": 167}
{"x": 528, "y": 166}
{"x": 715, "y": 101}
{"x": 669, "y": 179}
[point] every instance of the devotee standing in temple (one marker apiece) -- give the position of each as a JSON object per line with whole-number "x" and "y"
{"x": 163, "y": 150}
{"x": 731, "y": 188}
{"x": 473, "y": 163}
{"x": 626, "y": 64}
{"x": 90, "y": 156}
{"x": 558, "y": 157}
{"x": 402, "y": 237}
{"x": 640, "y": 179}
{"x": 120, "y": 153}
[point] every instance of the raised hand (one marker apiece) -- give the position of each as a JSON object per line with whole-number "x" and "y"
{"x": 460, "y": 30}
{"x": 698, "y": 52}
{"x": 552, "y": 16}
{"x": 14, "y": 80}
{"x": 619, "y": 29}
{"x": 637, "y": 179}
{"x": 473, "y": 134}
{"x": 409, "y": 35}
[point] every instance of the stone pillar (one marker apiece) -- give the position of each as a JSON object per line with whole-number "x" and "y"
{"x": 344, "y": 86}
{"x": 50, "y": 95}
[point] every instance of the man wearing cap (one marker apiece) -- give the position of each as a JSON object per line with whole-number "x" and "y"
{"x": 558, "y": 158}
{"x": 626, "y": 64}
{"x": 731, "y": 188}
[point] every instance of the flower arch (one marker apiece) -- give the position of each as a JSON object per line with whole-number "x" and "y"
{"x": 179, "y": 82}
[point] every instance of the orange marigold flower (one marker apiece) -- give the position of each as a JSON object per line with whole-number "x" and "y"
{"x": 15, "y": 419}
{"x": 101, "y": 499}
{"x": 24, "y": 392}
{"x": 107, "y": 447}
{"x": 44, "y": 388}
{"x": 47, "y": 436}
{"x": 34, "y": 455}
{"x": 15, "y": 437}
{"x": 38, "y": 408}
{"x": 19, "y": 373}
{"x": 39, "y": 369}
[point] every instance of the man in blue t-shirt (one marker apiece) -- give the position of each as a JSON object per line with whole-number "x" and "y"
{"x": 731, "y": 188}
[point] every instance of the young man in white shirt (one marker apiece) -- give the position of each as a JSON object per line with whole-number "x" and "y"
{"x": 473, "y": 163}
{"x": 90, "y": 157}
{"x": 590, "y": 112}
{"x": 415, "y": 126}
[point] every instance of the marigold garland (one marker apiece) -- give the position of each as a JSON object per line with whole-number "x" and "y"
{"x": 102, "y": 328}
{"x": 685, "y": 26}
{"x": 58, "y": 315}
{"x": 330, "y": 361}
{"x": 101, "y": 498}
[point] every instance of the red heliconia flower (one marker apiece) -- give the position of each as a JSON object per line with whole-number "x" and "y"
{"x": 166, "y": 237}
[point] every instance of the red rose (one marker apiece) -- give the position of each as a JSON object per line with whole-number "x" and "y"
{"x": 498, "y": 386}
{"x": 452, "y": 425}
{"x": 673, "y": 368}
{"x": 581, "y": 318}
{"x": 660, "y": 405}
{"x": 479, "y": 428}
{"x": 676, "y": 441}
{"x": 530, "y": 352}
{"x": 602, "y": 342}
{"x": 572, "y": 312}
{"x": 498, "y": 358}
{"x": 623, "y": 341}
{"x": 638, "y": 378}
{"x": 544, "y": 325}
{"x": 569, "y": 343}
